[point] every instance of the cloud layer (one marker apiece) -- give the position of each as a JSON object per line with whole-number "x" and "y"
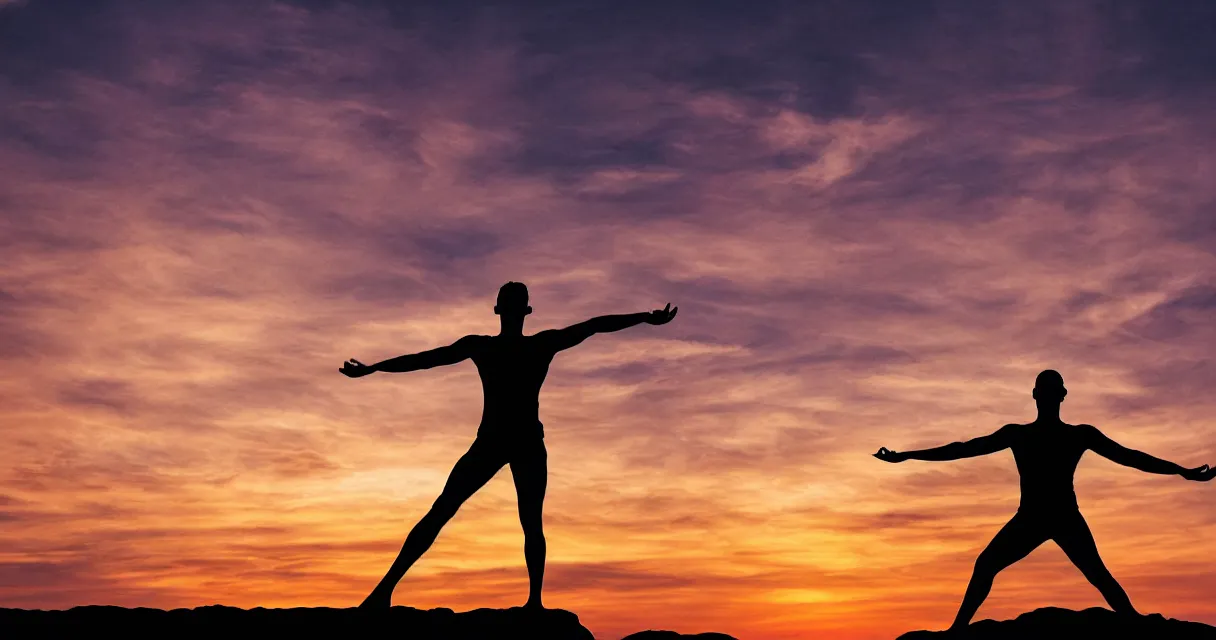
{"x": 879, "y": 225}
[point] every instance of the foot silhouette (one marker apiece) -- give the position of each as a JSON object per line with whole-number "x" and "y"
{"x": 378, "y": 599}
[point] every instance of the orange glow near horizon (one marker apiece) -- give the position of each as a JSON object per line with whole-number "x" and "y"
{"x": 191, "y": 250}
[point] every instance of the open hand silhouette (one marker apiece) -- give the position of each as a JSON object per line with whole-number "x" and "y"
{"x": 354, "y": 369}
{"x": 1200, "y": 474}
{"x": 662, "y": 316}
{"x": 886, "y": 455}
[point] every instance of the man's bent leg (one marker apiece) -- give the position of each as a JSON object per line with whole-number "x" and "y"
{"x": 530, "y": 469}
{"x": 472, "y": 472}
{"x": 1014, "y": 541}
{"x": 1075, "y": 538}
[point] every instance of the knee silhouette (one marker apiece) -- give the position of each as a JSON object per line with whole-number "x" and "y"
{"x": 986, "y": 565}
{"x": 445, "y": 508}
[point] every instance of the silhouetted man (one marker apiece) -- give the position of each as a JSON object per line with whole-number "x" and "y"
{"x": 512, "y": 367}
{"x": 1046, "y": 452}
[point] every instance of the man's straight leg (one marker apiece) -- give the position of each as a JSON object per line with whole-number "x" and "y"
{"x": 472, "y": 472}
{"x": 530, "y": 470}
{"x": 1075, "y": 538}
{"x": 1014, "y": 541}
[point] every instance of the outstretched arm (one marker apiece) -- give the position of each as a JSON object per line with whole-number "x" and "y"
{"x": 1100, "y": 444}
{"x": 576, "y": 333}
{"x": 980, "y": 446}
{"x": 451, "y": 354}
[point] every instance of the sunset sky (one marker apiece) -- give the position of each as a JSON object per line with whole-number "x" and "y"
{"x": 879, "y": 220}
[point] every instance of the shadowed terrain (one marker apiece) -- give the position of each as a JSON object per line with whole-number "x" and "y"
{"x": 672, "y": 635}
{"x": 1053, "y": 622}
{"x": 419, "y": 624}
{"x": 401, "y": 621}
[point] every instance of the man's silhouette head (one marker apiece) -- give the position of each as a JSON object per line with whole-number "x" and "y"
{"x": 513, "y": 300}
{"x": 1049, "y": 389}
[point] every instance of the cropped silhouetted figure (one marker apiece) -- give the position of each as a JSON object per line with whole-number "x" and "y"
{"x": 1046, "y": 452}
{"x": 512, "y": 367}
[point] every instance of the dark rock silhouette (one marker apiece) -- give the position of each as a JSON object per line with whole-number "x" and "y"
{"x": 672, "y": 635}
{"x": 1053, "y": 622}
{"x": 220, "y": 621}
{"x": 400, "y": 622}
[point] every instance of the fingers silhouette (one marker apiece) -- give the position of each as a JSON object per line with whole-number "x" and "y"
{"x": 1200, "y": 474}
{"x": 662, "y": 316}
{"x": 887, "y": 455}
{"x": 353, "y": 368}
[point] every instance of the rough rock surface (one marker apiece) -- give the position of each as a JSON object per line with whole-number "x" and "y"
{"x": 672, "y": 635}
{"x": 1096, "y": 624}
{"x": 229, "y": 622}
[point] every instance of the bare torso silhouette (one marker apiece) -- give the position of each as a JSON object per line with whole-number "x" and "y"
{"x": 512, "y": 370}
{"x": 1047, "y": 458}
